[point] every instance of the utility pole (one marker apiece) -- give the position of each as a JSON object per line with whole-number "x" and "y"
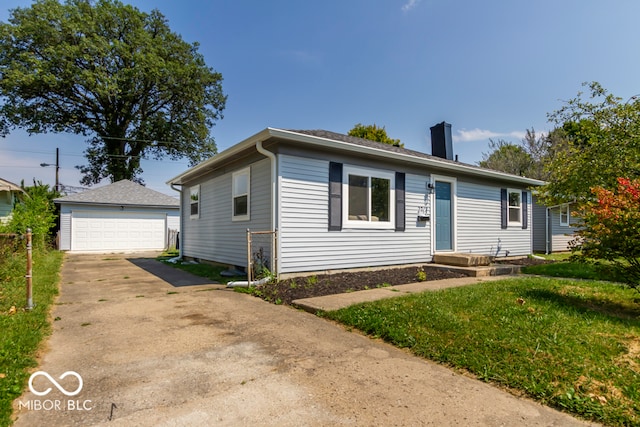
{"x": 57, "y": 168}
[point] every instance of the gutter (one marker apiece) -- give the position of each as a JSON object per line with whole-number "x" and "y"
{"x": 274, "y": 219}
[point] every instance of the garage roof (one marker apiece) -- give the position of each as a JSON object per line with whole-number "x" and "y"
{"x": 122, "y": 193}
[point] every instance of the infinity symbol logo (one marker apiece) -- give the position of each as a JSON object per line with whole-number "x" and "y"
{"x": 55, "y": 383}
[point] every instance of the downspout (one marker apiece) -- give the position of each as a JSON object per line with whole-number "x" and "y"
{"x": 274, "y": 220}
{"x": 179, "y": 190}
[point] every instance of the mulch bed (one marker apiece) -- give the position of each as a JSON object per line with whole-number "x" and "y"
{"x": 285, "y": 291}
{"x": 291, "y": 289}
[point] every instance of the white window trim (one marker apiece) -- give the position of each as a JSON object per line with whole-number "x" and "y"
{"x": 519, "y": 221}
{"x": 197, "y": 187}
{"x": 245, "y": 171}
{"x": 375, "y": 173}
{"x": 567, "y": 213}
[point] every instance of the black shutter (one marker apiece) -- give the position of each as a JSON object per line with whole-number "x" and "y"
{"x": 400, "y": 212}
{"x": 335, "y": 196}
{"x": 525, "y": 211}
{"x": 504, "y": 208}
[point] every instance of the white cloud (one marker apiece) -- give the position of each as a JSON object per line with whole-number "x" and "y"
{"x": 476, "y": 134}
{"x": 410, "y": 5}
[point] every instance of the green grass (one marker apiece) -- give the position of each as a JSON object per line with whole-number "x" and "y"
{"x": 573, "y": 345}
{"x": 22, "y": 332}
{"x": 579, "y": 270}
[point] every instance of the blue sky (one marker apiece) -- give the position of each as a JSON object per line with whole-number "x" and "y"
{"x": 490, "y": 68}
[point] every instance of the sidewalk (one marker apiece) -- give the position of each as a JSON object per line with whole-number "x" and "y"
{"x": 338, "y": 301}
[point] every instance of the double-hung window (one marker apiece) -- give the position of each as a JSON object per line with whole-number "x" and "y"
{"x": 241, "y": 181}
{"x": 565, "y": 215}
{"x": 369, "y": 201}
{"x": 515, "y": 207}
{"x": 194, "y": 201}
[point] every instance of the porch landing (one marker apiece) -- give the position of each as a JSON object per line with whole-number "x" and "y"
{"x": 474, "y": 265}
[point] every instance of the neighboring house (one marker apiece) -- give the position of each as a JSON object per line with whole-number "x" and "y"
{"x": 341, "y": 202}
{"x": 553, "y": 227}
{"x": 123, "y": 216}
{"x": 8, "y": 195}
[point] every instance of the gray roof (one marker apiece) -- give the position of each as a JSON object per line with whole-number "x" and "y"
{"x": 371, "y": 144}
{"x": 345, "y": 142}
{"x": 122, "y": 193}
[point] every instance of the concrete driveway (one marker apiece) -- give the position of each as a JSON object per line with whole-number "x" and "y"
{"x": 155, "y": 347}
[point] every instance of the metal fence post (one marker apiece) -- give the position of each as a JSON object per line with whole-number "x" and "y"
{"x": 249, "y": 263}
{"x": 29, "y": 270}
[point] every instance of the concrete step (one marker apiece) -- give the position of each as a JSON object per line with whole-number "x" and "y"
{"x": 462, "y": 259}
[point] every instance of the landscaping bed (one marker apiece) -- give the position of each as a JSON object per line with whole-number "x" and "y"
{"x": 287, "y": 290}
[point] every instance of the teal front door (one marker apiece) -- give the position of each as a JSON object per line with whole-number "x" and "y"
{"x": 443, "y": 218}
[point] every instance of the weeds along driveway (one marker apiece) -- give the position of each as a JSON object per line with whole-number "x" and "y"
{"x": 154, "y": 354}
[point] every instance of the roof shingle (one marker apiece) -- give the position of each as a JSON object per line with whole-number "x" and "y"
{"x": 123, "y": 192}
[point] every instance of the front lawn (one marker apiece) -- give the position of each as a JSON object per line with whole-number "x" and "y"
{"x": 574, "y": 345}
{"x": 566, "y": 267}
{"x": 22, "y": 331}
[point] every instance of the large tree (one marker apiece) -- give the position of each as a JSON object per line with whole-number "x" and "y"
{"x": 600, "y": 140}
{"x": 374, "y": 133}
{"x": 507, "y": 157}
{"x": 529, "y": 158}
{"x": 110, "y": 72}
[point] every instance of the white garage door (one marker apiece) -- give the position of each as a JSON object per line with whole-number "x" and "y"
{"x": 117, "y": 231}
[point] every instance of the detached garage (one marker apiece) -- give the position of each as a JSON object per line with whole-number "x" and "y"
{"x": 122, "y": 217}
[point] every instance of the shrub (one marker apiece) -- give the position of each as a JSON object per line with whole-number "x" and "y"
{"x": 610, "y": 229}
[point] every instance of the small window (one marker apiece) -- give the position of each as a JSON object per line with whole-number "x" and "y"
{"x": 194, "y": 200}
{"x": 515, "y": 207}
{"x": 240, "y": 194}
{"x": 369, "y": 198}
{"x": 565, "y": 215}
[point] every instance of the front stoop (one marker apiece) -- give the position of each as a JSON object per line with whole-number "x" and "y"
{"x": 462, "y": 260}
{"x": 474, "y": 265}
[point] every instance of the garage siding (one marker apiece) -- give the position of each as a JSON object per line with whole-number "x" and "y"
{"x": 86, "y": 228}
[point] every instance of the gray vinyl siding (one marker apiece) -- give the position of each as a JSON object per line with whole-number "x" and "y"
{"x": 65, "y": 228}
{"x": 307, "y": 245}
{"x": 539, "y": 227}
{"x": 478, "y": 223}
{"x": 561, "y": 235}
{"x": 214, "y": 235}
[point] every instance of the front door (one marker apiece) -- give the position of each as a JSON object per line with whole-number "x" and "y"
{"x": 444, "y": 216}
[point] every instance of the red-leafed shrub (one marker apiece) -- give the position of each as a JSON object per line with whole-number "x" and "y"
{"x": 611, "y": 229}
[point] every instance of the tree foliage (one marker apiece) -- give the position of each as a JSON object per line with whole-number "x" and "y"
{"x": 374, "y": 133}
{"x": 528, "y": 158}
{"x": 507, "y": 157}
{"x": 610, "y": 229}
{"x": 112, "y": 73}
{"x": 34, "y": 210}
{"x": 600, "y": 140}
